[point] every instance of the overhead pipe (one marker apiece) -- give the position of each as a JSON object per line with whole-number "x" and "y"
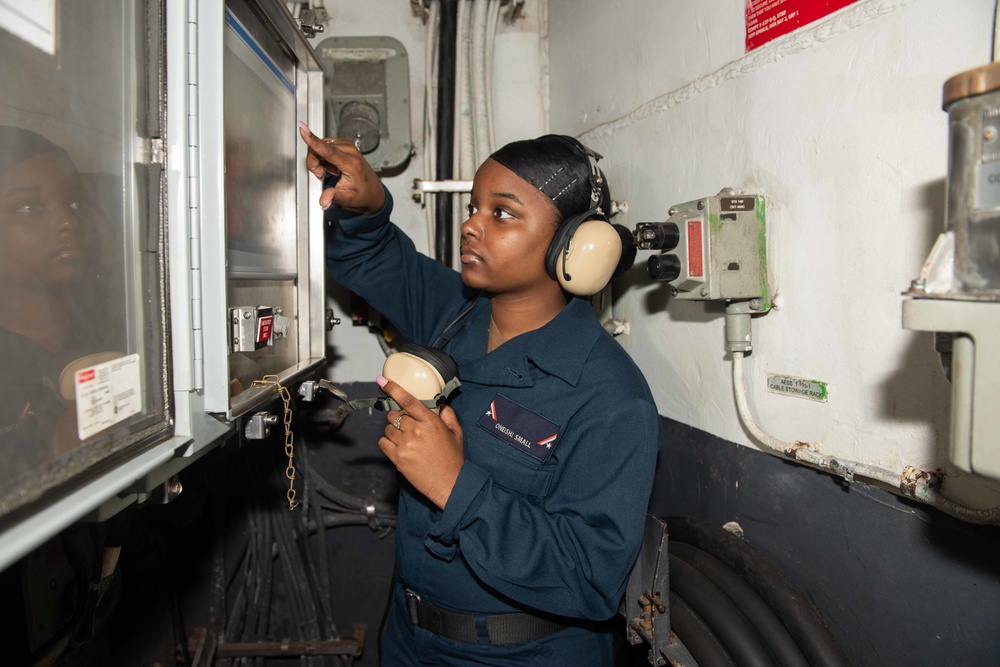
{"x": 445, "y": 128}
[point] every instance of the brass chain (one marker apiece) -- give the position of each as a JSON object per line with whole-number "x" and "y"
{"x": 286, "y": 398}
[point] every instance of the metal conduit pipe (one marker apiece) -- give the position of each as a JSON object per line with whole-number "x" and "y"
{"x": 911, "y": 482}
{"x": 774, "y": 635}
{"x": 734, "y": 630}
{"x": 430, "y": 123}
{"x": 698, "y": 638}
{"x": 491, "y": 32}
{"x": 802, "y": 620}
{"x": 480, "y": 77}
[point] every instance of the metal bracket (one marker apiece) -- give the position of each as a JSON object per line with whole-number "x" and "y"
{"x": 975, "y": 422}
{"x": 259, "y": 425}
{"x": 311, "y": 21}
{"x": 254, "y": 327}
{"x": 646, "y": 606}
{"x": 310, "y": 388}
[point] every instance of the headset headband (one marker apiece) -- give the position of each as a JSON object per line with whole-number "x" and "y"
{"x": 592, "y": 157}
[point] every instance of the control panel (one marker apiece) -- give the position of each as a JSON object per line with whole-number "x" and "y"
{"x": 712, "y": 248}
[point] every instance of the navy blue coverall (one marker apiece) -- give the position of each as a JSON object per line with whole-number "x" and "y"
{"x": 551, "y": 525}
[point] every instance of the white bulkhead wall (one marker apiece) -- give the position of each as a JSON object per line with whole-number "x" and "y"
{"x": 840, "y": 126}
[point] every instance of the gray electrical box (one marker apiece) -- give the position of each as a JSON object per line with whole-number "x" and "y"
{"x": 367, "y": 96}
{"x": 714, "y": 248}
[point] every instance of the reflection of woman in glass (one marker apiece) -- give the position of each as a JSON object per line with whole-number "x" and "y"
{"x": 48, "y": 256}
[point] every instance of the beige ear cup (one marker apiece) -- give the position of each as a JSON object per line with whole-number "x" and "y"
{"x": 67, "y": 378}
{"x": 414, "y": 375}
{"x": 593, "y": 256}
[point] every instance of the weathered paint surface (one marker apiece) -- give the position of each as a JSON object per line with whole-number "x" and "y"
{"x": 840, "y": 126}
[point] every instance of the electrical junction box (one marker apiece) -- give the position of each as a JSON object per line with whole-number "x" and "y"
{"x": 715, "y": 248}
{"x": 367, "y": 96}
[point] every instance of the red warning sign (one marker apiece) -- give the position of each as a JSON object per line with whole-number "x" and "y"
{"x": 264, "y": 327}
{"x": 769, "y": 19}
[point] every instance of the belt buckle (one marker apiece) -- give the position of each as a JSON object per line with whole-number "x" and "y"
{"x": 412, "y": 600}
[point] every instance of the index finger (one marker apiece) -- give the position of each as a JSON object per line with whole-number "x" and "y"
{"x": 325, "y": 149}
{"x": 406, "y": 401}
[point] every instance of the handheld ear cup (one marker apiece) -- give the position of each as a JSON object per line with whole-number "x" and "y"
{"x": 422, "y": 371}
{"x": 584, "y": 254}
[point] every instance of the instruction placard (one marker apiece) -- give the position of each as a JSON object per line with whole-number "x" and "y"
{"x": 770, "y": 19}
{"x": 107, "y": 394}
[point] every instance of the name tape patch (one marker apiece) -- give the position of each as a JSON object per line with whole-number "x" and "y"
{"x": 520, "y": 428}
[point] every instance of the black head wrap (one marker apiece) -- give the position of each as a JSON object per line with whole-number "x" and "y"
{"x": 18, "y": 145}
{"x": 558, "y": 166}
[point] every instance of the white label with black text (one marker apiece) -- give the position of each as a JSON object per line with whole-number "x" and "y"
{"x": 107, "y": 394}
{"x": 814, "y": 390}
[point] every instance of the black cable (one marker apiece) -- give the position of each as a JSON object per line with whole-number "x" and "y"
{"x": 324, "y": 569}
{"x": 770, "y": 629}
{"x": 298, "y": 593}
{"x": 697, "y": 637}
{"x": 177, "y": 615}
{"x": 265, "y": 544}
{"x": 217, "y": 596}
{"x": 236, "y": 616}
{"x": 446, "y": 126}
{"x": 346, "y": 500}
{"x": 734, "y": 630}
{"x": 324, "y": 611}
{"x": 338, "y": 519}
{"x": 797, "y": 614}
{"x": 253, "y": 580}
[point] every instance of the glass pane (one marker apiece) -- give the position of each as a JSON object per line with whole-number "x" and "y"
{"x": 81, "y": 332}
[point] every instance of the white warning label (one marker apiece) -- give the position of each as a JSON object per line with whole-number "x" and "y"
{"x": 106, "y": 394}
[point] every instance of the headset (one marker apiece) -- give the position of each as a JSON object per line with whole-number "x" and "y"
{"x": 587, "y": 250}
{"x": 427, "y": 373}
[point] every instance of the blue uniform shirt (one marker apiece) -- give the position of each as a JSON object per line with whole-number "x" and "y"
{"x": 560, "y": 435}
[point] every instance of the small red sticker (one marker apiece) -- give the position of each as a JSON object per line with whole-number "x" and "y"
{"x": 86, "y": 376}
{"x": 695, "y": 262}
{"x": 264, "y": 327}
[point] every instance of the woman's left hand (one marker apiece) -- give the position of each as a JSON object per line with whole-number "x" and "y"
{"x": 425, "y": 447}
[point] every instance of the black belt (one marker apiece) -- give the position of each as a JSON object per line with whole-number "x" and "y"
{"x": 502, "y": 628}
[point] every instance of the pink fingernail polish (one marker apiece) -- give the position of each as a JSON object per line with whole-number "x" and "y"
{"x": 381, "y": 381}
{"x": 304, "y": 127}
